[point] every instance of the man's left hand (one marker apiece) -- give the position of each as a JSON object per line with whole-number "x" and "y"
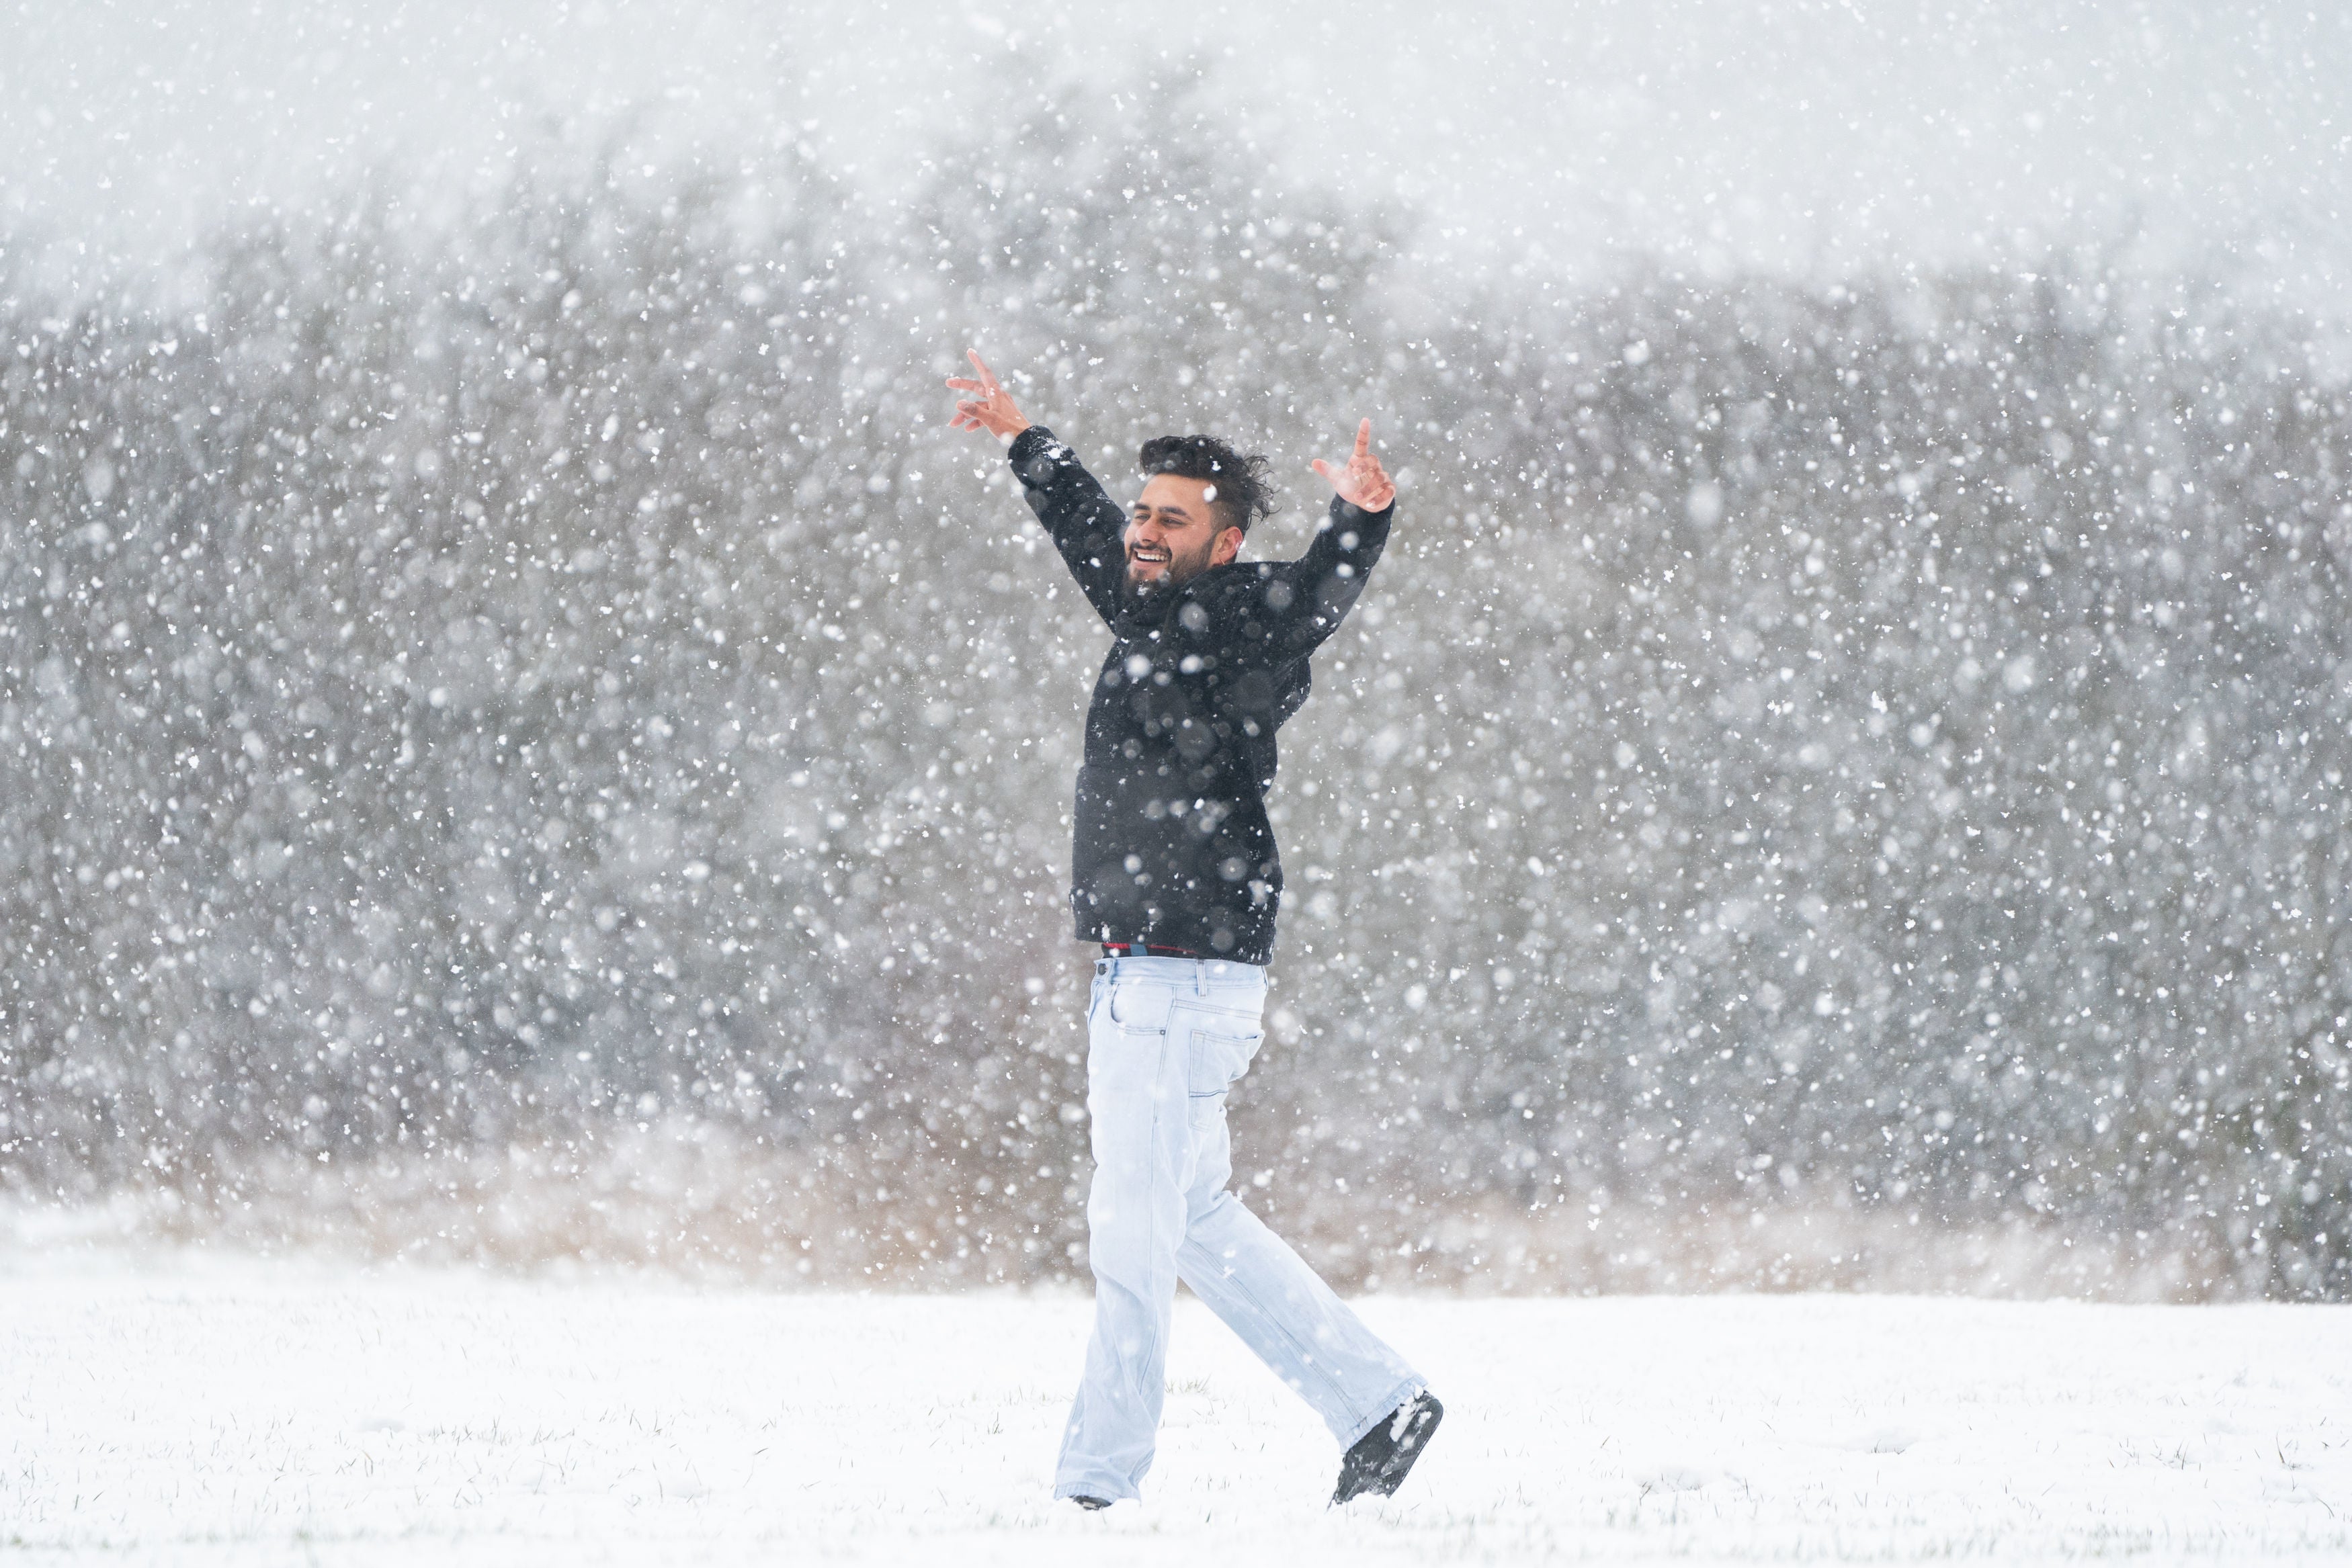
{"x": 1363, "y": 484}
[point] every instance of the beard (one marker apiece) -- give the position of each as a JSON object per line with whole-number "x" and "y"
{"x": 1180, "y": 569}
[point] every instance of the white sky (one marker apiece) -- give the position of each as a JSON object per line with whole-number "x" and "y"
{"x": 1719, "y": 132}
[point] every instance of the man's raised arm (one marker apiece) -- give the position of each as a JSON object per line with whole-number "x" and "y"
{"x": 1085, "y": 522}
{"x": 1285, "y": 611}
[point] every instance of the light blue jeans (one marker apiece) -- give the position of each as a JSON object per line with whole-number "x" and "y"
{"x": 1166, "y": 1039}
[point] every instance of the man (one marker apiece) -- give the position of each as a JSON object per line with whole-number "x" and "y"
{"x": 1174, "y": 870}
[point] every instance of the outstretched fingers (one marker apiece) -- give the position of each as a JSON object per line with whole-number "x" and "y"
{"x": 983, "y": 403}
{"x": 1362, "y": 482}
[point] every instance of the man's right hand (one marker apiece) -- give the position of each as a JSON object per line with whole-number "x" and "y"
{"x": 991, "y": 409}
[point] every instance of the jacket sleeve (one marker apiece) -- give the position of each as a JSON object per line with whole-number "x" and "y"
{"x": 1086, "y": 524}
{"x": 1282, "y": 610}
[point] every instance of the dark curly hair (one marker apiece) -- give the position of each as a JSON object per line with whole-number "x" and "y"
{"x": 1243, "y": 485}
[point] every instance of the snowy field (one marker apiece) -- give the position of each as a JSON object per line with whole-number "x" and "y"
{"x": 249, "y": 1413}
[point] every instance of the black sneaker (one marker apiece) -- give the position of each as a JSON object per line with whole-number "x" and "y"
{"x": 1383, "y": 1457}
{"x": 1091, "y": 1504}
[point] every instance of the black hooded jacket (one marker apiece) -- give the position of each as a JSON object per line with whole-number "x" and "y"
{"x": 1170, "y": 844}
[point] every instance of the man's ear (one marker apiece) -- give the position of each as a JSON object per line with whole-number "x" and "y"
{"x": 1228, "y": 545}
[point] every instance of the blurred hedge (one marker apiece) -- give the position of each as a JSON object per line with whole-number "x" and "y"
{"x": 472, "y": 697}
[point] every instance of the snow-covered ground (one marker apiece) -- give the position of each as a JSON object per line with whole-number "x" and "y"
{"x": 200, "y": 1413}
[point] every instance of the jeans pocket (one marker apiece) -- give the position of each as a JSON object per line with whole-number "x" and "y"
{"x": 1139, "y": 1008}
{"x": 1221, "y": 1053}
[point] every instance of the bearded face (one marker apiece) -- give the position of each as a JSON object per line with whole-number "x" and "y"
{"x": 1174, "y": 534}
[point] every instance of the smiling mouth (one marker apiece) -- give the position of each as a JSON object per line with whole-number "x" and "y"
{"x": 1147, "y": 555}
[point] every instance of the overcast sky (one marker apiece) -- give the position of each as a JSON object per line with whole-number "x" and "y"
{"x": 1719, "y": 132}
